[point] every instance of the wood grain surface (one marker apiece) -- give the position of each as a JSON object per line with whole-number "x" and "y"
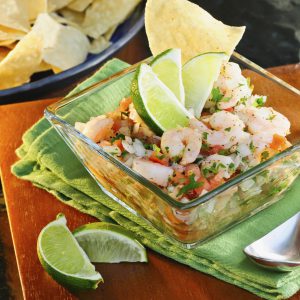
{"x": 30, "y": 209}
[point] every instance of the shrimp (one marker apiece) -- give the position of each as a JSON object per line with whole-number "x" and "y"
{"x": 97, "y": 129}
{"x": 220, "y": 165}
{"x": 232, "y": 85}
{"x": 264, "y": 119}
{"x": 229, "y": 130}
{"x": 154, "y": 172}
{"x": 184, "y": 143}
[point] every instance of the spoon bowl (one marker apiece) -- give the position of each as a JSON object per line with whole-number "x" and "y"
{"x": 278, "y": 250}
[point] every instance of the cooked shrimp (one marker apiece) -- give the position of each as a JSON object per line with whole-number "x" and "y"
{"x": 220, "y": 165}
{"x": 154, "y": 172}
{"x": 98, "y": 128}
{"x": 184, "y": 143}
{"x": 232, "y": 85}
{"x": 229, "y": 130}
{"x": 200, "y": 126}
{"x": 264, "y": 119}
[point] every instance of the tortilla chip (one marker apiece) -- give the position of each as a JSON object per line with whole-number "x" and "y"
{"x": 79, "y": 5}
{"x": 10, "y": 34}
{"x": 35, "y": 7}
{"x": 109, "y": 33}
{"x": 3, "y": 52}
{"x": 21, "y": 62}
{"x": 74, "y": 17}
{"x": 63, "y": 46}
{"x": 13, "y": 14}
{"x": 57, "y": 4}
{"x": 104, "y": 14}
{"x": 7, "y": 43}
{"x": 99, "y": 45}
{"x": 182, "y": 24}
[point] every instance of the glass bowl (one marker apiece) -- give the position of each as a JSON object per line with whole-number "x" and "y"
{"x": 202, "y": 218}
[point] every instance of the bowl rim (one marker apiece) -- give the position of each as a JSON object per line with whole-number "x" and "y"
{"x": 92, "y": 62}
{"x": 51, "y": 114}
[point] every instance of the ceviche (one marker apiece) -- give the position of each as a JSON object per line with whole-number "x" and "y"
{"x": 234, "y": 132}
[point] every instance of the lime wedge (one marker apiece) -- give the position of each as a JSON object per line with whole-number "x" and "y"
{"x": 167, "y": 67}
{"x": 199, "y": 75}
{"x": 109, "y": 243}
{"x": 63, "y": 259}
{"x": 155, "y": 102}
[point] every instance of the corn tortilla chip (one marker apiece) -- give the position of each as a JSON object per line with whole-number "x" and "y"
{"x": 63, "y": 46}
{"x": 98, "y": 45}
{"x": 57, "y": 4}
{"x": 109, "y": 33}
{"x": 35, "y": 7}
{"x": 79, "y": 5}
{"x": 74, "y": 17}
{"x": 7, "y": 43}
{"x": 13, "y": 14}
{"x": 3, "y": 52}
{"x": 10, "y": 34}
{"x": 182, "y": 24}
{"x": 104, "y": 14}
{"x": 21, "y": 62}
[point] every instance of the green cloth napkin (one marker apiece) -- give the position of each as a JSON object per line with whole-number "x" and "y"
{"x": 48, "y": 163}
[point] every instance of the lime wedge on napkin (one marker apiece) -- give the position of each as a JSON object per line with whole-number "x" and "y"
{"x": 63, "y": 259}
{"x": 167, "y": 67}
{"x": 199, "y": 75}
{"x": 109, "y": 243}
{"x": 155, "y": 102}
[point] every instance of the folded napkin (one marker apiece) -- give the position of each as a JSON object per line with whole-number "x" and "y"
{"x": 48, "y": 163}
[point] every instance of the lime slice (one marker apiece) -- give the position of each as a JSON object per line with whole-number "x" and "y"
{"x": 167, "y": 67}
{"x": 63, "y": 259}
{"x": 199, "y": 75}
{"x": 109, "y": 243}
{"x": 155, "y": 102}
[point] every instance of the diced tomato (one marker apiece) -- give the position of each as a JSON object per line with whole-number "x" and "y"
{"x": 159, "y": 158}
{"x": 197, "y": 192}
{"x": 279, "y": 142}
{"x": 179, "y": 178}
{"x": 124, "y": 104}
{"x": 117, "y": 125}
{"x": 215, "y": 149}
{"x": 211, "y": 150}
{"x": 118, "y": 143}
{"x": 215, "y": 182}
{"x": 230, "y": 109}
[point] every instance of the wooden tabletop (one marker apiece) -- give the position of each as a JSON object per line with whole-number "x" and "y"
{"x": 30, "y": 209}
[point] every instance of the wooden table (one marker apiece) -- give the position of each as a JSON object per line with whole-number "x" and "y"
{"x": 30, "y": 209}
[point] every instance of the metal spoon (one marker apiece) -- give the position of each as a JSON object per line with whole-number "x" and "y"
{"x": 279, "y": 249}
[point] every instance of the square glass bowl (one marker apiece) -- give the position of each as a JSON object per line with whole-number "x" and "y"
{"x": 204, "y": 217}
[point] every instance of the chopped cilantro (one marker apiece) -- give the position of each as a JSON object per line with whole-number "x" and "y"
{"x": 243, "y": 100}
{"x": 241, "y": 84}
{"x": 204, "y": 147}
{"x": 252, "y": 147}
{"x": 228, "y": 129}
{"x": 217, "y": 96}
{"x": 271, "y": 117}
{"x": 213, "y": 169}
{"x": 193, "y": 184}
{"x": 148, "y": 146}
{"x": 265, "y": 155}
{"x": 155, "y": 148}
{"x": 205, "y": 135}
{"x": 231, "y": 166}
{"x": 167, "y": 149}
{"x": 259, "y": 102}
{"x": 224, "y": 152}
{"x": 119, "y": 136}
{"x": 123, "y": 154}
